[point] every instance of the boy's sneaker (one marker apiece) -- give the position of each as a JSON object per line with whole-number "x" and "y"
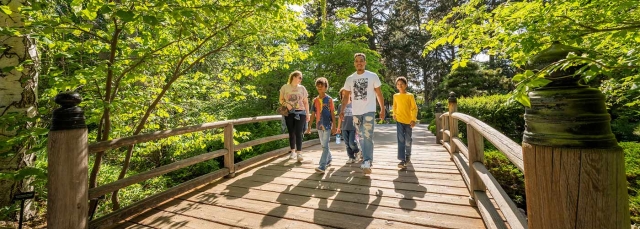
{"x": 402, "y": 165}
{"x": 328, "y": 163}
{"x": 319, "y": 170}
{"x": 299, "y": 157}
{"x": 292, "y": 155}
{"x": 351, "y": 161}
{"x": 359, "y": 156}
{"x": 366, "y": 167}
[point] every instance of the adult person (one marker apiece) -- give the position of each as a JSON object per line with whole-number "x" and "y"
{"x": 296, "y": 98}
{"x": 365, "y": 86}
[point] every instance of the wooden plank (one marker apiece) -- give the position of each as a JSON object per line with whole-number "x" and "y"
{"x": 568, "y": 183}
{"x": 418, "y": 195}
{"x": 463, "y": 166}
{"x": 120, "y": 142}
{"x": 509, "y": 209}
{"x": 446, "y": 134}
{"x": 137, "y": 178}
{"x": 460, "y": 146}
{"x": 476, "y": 154}
{"x": 261, "y": 141}
{"x": 490, "y": 216}
{"x": 241, "y": 121}
{"x": 275, "y": 204}
{"x": 388, "y": 169}
{"x": 130, "y": 225}
{"x": 531, "y": 181}
{"x": 154, "y": 218}
{"x": 247, "y": 189}
{"x": 149, "y": 202}
{"x": 251, "y": 161}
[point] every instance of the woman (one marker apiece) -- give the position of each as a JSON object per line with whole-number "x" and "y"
{"x": 296, "y": 98}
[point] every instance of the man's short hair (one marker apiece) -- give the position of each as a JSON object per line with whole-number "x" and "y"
{"x": 364, "y": 57}
{"x": 403, "y": 79}
{"x": 323, "y": 81}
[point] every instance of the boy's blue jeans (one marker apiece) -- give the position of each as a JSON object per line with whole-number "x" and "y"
{"x": 325, "y": 137}
{"x": 350, "y": 143}
{"x": 404, "y": 140}
{"x": 364, "y": 125}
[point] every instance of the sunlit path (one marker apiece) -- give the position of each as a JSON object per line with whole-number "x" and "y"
{"x": 281, "y": 193}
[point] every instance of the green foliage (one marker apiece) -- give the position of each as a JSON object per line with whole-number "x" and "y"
{"x": 472, "y": 80}
{"x": 624, "y": 107}
{"x": 497, "y": 111}
{"x": 510, "y": 178}
{"x": 632, "y": 165}
{"x": 608, "y": 34}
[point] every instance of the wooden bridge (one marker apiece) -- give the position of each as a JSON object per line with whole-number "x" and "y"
{"x": 283, "y": 193}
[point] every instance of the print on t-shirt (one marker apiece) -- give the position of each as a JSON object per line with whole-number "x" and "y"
{"x": 293, "y": 100}
{"x": 360, "y": 89}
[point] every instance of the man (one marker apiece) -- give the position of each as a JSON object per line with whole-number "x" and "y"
{"x": 365, "y": 86}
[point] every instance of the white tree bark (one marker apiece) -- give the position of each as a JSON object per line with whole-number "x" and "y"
{"x": 18, "y": 93}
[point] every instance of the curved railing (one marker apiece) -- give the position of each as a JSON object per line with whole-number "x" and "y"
{"x": 470, "y": 161}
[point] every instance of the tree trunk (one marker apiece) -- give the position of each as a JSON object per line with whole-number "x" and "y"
{"x": 17, "y": 98}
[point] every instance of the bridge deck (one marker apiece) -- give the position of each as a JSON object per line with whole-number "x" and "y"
{"x": 284, "y": 194}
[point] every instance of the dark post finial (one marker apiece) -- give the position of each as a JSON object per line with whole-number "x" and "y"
{"x": 439, "y": 108}
{"x": 452, "y": 97}
{"x": 563, "y": 112}
{"x": 69, "y": 115}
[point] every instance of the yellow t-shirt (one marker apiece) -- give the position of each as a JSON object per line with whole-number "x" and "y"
{"x": 404, "y": 108}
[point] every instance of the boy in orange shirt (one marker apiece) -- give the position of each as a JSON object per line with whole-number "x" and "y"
{"x": 405, "y": 112}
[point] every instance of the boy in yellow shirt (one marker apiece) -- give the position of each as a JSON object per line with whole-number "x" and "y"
{"x": 405, "y": 112}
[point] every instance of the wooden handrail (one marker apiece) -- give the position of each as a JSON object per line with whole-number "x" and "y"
{"x": 120, "y": 142}
{"x": 110, "y": 187}
{"x": 508, "y": 147}
{"x": 470, "y": 162}
{"x": 227, "y": 171}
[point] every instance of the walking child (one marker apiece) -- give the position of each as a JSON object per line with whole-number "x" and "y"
{"x": 405, "y": 112}
{"x": 345, "y": 125}
{"x": 322, "y": 110}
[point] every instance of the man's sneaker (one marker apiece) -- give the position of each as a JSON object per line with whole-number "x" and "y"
{"x": 351, "y": 161}
{"x": 402, "y": 165}
{"x": 319, "y": 170}
{"x": 366, "y": 167}
{"x": 292, "y": 155}
{"x": 299, "y": 157}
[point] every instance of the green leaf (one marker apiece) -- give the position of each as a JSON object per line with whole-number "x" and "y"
{"x": 151, "y": 20}
{"x": 30, "y": 171}
{"x": 89, "y": 15}
{"x": 6, "y": 10}
{"x": 125, "y": 16}
{"x": 523, "y": 99}
{"x": 538, "y": 82}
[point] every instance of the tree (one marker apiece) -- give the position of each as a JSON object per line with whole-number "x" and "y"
{"x": 130, "y": 54}
{"x": 608, "y": 33}
{"x": 18, "y": 105}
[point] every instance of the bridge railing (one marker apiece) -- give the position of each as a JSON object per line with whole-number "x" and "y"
{"x": 470, "y": 162}
{"x": 64, "y": 198}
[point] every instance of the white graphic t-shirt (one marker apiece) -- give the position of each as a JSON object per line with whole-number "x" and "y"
{"x": 362, "y": 91}
{"x": 294, "y": 95}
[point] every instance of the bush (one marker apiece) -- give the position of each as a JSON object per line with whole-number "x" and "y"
{"x": 508, "y": 175}
{"x": 497, "y": 112}
{"x": 632, "y": 165}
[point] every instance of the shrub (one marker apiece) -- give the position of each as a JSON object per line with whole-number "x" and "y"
{"x": 632, "y": 165}
{"x": 497, "y": 112}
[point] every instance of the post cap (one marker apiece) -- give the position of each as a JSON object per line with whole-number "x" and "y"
{"x": 439, "y": 108}
{"x": 69, "y": 115}
{"x": 452, "y": 97}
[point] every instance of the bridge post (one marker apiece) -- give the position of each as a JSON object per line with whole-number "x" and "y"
{"x": 438, "y": 111}
{"x": 574, "y": 168}
{"x": 68, "y": 154}
{"x": 475, "y": 143}
{"x": 229, "y": 145}
{"x": 453, "y": 123}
